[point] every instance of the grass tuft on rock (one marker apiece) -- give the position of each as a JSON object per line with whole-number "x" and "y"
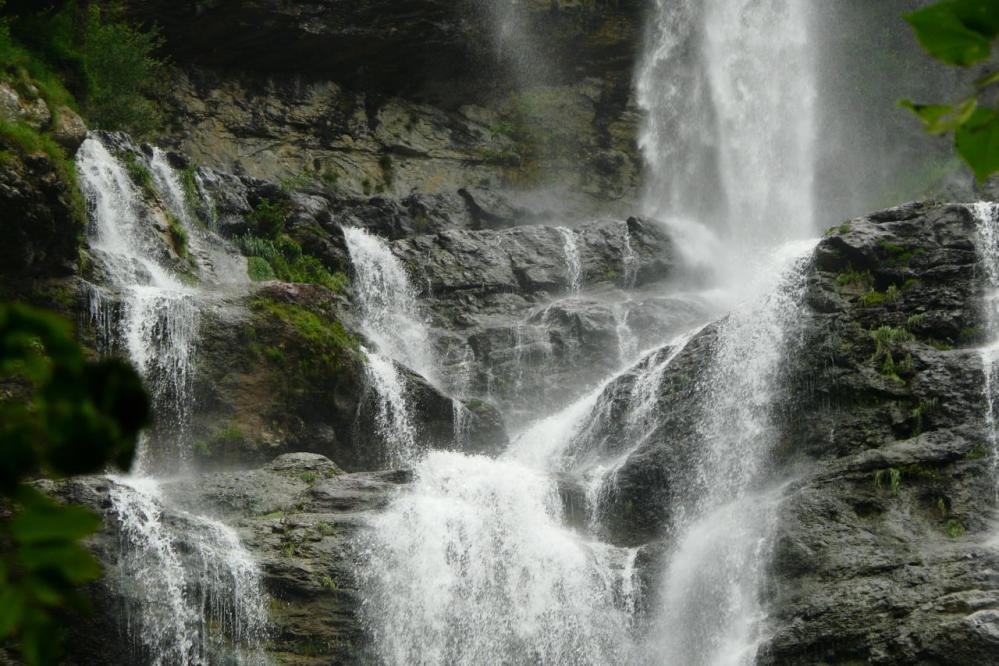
{"x": 328, "y": 340}
{"x": 259, "y": 270}
{"x": 287, "y": 262}
{"x": 178, "y": 234}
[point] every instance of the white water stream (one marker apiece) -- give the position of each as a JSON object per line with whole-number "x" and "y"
{"x": 478, "y": 561}
{"x": 987, "y": 219}
{"x": 181, "y": 607}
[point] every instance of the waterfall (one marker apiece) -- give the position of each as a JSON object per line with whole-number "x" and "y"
{"x": 158, "y": 329}
{"x": 192, "y": 594}
{"x": 473, "y": 565}
{"x": 393, "y": 419}
{"x": 573, "y": 264}
{"x": 710, "y": 612}
{"x": 390, "y": 312}
{"x": 392, "y": 319}
{"x": 987, "y": 223}
{"x": 729, "y": 91}
{"x": 478, "y": 561}
{"x": 162, "y": 616}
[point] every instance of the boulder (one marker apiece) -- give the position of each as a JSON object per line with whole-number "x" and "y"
{"x": 298, "y": 517}
{"x": 68, "y": 129}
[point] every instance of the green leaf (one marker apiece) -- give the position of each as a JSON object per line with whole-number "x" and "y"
{"x": 41, "y": 520}
{"x": 957, "y": 32}
{"x": 69, "y": 561}
{"x": 11, "y": 610}
{"x": 941, "y": 118}
{"x": 977, "y": 141}
{"x": 988, "y": 80}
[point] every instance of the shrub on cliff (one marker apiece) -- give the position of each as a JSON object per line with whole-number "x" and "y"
{"x": 109, "y": 66}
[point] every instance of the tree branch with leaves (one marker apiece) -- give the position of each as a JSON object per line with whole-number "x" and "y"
{"x": 60, "y": 415}
{"x": 962, "y": 33}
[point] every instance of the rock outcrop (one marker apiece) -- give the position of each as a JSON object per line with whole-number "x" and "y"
{"x": 884, "y": 551}
{"x": 393, "y": 98}
{"x": 298, "y": 516}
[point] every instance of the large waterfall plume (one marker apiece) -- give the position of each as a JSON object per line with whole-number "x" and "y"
{"x": 730, "y": 94}
{"x": 479, "y": 560}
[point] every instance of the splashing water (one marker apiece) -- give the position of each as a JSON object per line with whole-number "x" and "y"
{"x": 473, "y": 565}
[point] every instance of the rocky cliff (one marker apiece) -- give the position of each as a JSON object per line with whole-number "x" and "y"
{"x": 398, "y": 97}
{"x": 507, "y": 193}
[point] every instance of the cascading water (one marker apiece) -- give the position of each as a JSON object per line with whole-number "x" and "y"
{"x": 159, "y": 325}
{"x": 391, "y": 319}
{"x": 987, "y": 219}
{"x": 476, "y": 561}
{"x": 729, "y": 139}
{"x": 182, "y": 608}
{"x": 573, "y": 264}
{"x": 729, "y": 91}
{"x": 390, "y": 311}
{"x": 218, "y": 263}
{"x": 393, "y": 419}
{"x": 710, "y": 612}
{"x": 473, "y": 565}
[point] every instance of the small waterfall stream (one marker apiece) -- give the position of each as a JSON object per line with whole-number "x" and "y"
{"x": 987, "y": 218}
{"x": 181, "y": 608}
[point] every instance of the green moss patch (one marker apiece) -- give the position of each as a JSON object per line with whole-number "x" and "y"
{"x": 287, "y": 262}
{"x": 328, "y": 341}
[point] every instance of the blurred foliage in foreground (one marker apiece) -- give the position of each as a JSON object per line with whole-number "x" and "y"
{"x": 59, "y": 415}
{"x": 961, "y": 33}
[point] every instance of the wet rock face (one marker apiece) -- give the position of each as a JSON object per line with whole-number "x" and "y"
{"x": 531, "y": 260}
{"x": 882, "y": 552}
{"x": 279, "y": 371}
{"x": 389, "y": 98}
{"x": 41, "y": 227}
{"x": 578, "y": 141}
{"x": 298, "y": 516}
{"x": 883, "y": 543}
{"x": 393, "y": 45}
{"x": 504, "y": 301}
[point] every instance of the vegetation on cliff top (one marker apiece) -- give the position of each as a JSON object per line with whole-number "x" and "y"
{"x": 88, "y": 59}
